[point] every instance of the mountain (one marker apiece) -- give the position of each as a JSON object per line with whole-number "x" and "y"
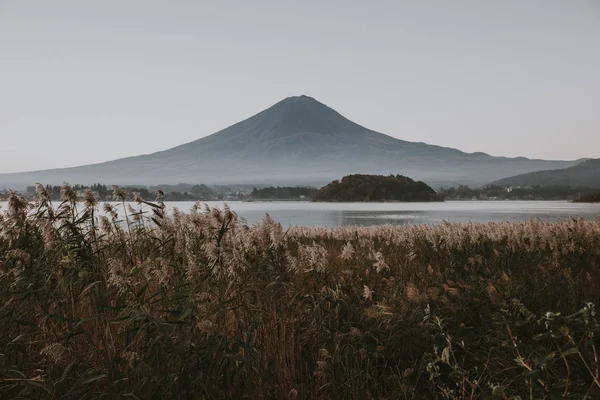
{"x": 297, "y": 141}
{"x": 583, "y": 175}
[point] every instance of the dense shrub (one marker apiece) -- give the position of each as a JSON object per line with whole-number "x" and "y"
{"x": 591, "y": 198}
{"x": 376, "y": 188}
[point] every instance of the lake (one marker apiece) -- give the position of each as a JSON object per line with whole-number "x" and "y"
{"x": 333, "y": 214}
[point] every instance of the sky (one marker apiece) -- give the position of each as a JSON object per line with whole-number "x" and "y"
{"x": 90, "y": 81}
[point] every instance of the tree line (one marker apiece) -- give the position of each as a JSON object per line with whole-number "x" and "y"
{"x": 104, "y": 192}
{"x": 376, "y": 188}
{"x": 283, "y": 193}
{"x": 496, "y": 192}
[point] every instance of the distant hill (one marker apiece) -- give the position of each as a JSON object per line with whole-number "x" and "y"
{"x": 362, "y": 188}
{"x": 298, "y": 141}
{"x": 585, "y": 175}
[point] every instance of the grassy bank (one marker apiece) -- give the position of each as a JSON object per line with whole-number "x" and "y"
{"x": 140, "y": 305}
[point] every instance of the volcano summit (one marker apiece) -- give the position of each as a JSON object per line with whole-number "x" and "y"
{"x": 296, "y": 141}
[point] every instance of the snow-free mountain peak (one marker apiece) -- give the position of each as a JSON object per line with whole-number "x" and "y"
{"x": 298, "y": 140}
{"x": 303, "y": 114}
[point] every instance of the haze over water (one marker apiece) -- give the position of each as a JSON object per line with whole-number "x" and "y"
{"x": 364, "y": 214}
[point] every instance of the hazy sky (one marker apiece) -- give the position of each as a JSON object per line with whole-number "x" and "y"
{"x": 89, "y": 81}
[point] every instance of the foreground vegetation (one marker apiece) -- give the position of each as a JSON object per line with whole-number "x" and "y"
{"x": 135, "y": 304}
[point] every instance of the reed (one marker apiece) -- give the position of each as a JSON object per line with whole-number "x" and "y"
{"x": 135, "y": 303}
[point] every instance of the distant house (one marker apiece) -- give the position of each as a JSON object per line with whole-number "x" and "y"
{"x": 511, "y": 188}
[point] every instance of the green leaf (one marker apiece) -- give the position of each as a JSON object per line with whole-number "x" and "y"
{"x": 37, "y": 385}
{"x": 568, "y": 352}
{"x": 555, "y": 392}
{"x": 94, "y": 379}
{"x": 15, "y": 340}
{"x": 534, "y": 373}
{"x": 550, "y": 356}
{"x": 142, "y": 291}
{"x": 541, "y": 336}
{"x": 88, "y": 287}
{"x": 65, "y": 373}
{"x": 564, "y": 330}
{"x": 498, "y": 391}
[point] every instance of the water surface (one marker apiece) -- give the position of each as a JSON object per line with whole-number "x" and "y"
{"x": 333, "y": 214}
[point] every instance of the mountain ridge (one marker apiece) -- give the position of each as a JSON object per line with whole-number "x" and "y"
{"x": 583, "y": 175}
{"x": 297, "y": 140}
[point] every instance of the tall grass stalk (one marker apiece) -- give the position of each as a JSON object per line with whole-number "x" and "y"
{"x": 201, "y": 306}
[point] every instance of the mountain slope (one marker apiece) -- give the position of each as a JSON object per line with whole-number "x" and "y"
{"x": 297, "y": 141}
{"x": 585, "y": 174}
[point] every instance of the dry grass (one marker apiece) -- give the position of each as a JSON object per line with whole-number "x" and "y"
{"x": 135, "y": 304}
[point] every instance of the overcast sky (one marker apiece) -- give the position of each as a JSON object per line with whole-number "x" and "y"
{"x": 89, "y": 81}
